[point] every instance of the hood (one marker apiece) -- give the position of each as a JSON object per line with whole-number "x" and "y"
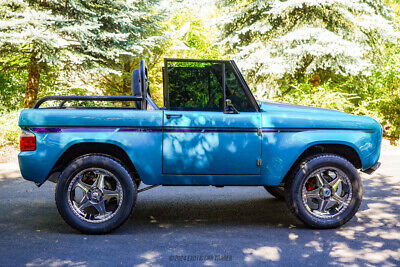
{"x": 271, "y": 106}
{"x": 280, "y": 115}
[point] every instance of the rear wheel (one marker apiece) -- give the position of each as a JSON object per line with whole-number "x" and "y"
{"x": 277, "y": 191}
{"x": 325, "y": 192}
{"x": 95, "y": 194}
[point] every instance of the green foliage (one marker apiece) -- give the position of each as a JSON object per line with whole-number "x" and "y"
{"x": 328, "y": 95}
{"x": 11, "y": 90}
{"x": 334, "y": 54}
{"x": 377, "y": 95}
{"x": 108, "y": 32}
{"x": 384, "y": 92}
{"x": 72, "y": 38}
{"x": 277, "y": 39}
{"x": 12, "y": 86}
{"x": 190, "y": 34}
{"x": 27, "y": 30}
{"x": 195, "y": 86}
{"x": 193, "y": 36}
{"x": 9, "y": 130}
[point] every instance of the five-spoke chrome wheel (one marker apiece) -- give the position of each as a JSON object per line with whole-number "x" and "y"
{"x": 326, "y": 192}
{"x": 95, "y": 195}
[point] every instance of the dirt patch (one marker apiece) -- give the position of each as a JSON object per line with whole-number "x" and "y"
{"x": 8, "y": 154}
{"x": 387, "y": 146}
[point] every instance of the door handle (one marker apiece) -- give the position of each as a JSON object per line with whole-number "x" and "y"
{"x": 169, "y": 116}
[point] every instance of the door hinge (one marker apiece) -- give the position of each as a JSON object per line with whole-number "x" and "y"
{"x": 259, "y": 131}
{"x": 259, "y": 162}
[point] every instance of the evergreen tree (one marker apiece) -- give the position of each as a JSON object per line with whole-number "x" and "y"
{"x": 112, "y": 35}
{"x": 107, "y": 35}
{"x": 276, "y": 39}
{"x": 29, "y": 40}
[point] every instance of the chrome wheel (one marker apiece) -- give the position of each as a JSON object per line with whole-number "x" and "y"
{"x": 95, "y": 195}
{"x": 326, "y": 192}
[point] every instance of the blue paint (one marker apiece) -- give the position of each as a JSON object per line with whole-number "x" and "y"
{"x": 199, "y": 148}
{"x": 202, "y": 142}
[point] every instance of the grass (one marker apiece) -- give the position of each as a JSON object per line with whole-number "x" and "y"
{"x": 9, "y": 135}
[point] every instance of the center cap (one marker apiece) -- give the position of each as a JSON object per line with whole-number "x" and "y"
{"x": 95, "y": 194}
{"x": 326, "y": 192}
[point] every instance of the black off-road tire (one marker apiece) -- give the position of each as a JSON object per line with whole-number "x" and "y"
{"x": 294, "y": 198}
{"x": 276, "y": 191}
{"x": 96, "y": 161}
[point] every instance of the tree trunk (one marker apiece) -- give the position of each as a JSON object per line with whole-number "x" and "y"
{"x": 126, "y": 80}
{"x": 32, "y": 84}
{"x": 126, "y": 76}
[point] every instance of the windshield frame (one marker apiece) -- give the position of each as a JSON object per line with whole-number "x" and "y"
{"x": 239, "y": 76}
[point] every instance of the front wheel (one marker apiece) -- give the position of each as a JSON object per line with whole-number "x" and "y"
{"x": 326, "y": 191}
{"x": 95, "y": 194}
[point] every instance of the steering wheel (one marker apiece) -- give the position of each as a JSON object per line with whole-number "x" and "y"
{"x": 144, "y": 84}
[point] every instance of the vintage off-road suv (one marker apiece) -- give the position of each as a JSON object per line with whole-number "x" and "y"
{"x": 211, "y": 131}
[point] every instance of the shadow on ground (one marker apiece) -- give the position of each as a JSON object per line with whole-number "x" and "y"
{"x": 202, "y": 226}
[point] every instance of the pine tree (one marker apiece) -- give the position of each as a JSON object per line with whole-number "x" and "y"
{"x": 106, "y": 35}
{"x": 275, "y": 39}
{"x": 33, "y": 40}
{"x": 112, "y": 34}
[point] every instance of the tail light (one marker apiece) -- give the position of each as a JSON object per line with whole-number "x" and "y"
{"x": 27, "y": 141}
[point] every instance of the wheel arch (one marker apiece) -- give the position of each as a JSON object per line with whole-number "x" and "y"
{"x": 343, "y": 150}
{"x": 95, "y": 148}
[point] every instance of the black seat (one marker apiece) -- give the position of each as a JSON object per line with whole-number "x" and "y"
{"x": 140, "y": 87}
{"x": 136, "y": 87}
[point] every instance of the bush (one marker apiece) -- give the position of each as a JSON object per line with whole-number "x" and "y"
{"x": 326, "y": 95}
{"x": 9, "y": 130}
{"x": 377, "y": 95}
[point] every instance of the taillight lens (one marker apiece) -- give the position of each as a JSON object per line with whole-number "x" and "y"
{"x": 27, "y": 141}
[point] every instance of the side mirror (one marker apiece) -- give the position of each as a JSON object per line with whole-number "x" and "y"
{"x": 230, "y": 108}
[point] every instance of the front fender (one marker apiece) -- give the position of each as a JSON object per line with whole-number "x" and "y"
{"x": 282, "y": 149}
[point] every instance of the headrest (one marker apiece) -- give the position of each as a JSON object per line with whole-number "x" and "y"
{"x": 136, "y": 88}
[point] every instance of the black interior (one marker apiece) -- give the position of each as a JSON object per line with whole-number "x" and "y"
{"x": 140, "y": 87}
{"x": 136, "y": 88}
{"x": 204, "y": 86}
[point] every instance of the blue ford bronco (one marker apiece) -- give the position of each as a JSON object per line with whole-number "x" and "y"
{"x": 210, "y": 132}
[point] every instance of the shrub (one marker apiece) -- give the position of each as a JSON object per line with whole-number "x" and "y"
{"x": 9, "y": 130}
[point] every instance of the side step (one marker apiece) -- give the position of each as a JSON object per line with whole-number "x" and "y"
{"x": 370, "y": 170}
{"x": 152, "y": 186}
{"x": 148, "y": 188}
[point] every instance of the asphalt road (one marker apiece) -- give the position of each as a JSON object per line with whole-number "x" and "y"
{"x": 202, "y": 226}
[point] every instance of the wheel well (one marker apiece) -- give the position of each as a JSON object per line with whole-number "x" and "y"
{"x": 106, "y": 149}
{"x": 344, "y": 151}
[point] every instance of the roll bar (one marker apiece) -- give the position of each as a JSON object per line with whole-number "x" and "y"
{"x": 65, "y": 98}
{"x": 142, "y": 97}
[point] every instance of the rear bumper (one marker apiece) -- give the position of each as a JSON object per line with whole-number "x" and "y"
{"x": 34, "y": 166}
{"x": 373, "y": 168}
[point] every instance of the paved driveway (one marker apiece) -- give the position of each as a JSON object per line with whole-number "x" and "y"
{"x": 202, "y": 226}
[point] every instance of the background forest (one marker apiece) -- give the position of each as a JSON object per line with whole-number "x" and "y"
{"x": 338, "y": 54}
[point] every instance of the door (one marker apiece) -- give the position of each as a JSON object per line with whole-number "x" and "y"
{"x": 211, "y": 143}
{"x": 202, "y": 135}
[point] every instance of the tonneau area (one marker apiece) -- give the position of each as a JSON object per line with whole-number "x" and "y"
{"x": 89, "y": 118}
